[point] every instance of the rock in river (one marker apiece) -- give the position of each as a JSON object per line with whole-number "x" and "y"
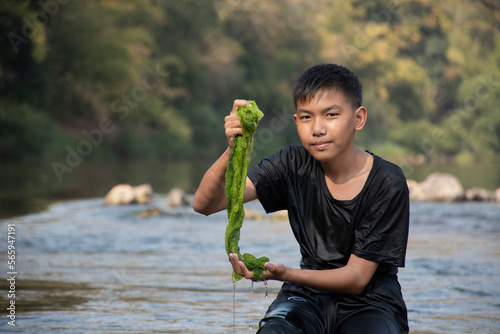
{"x": 479, "y": 194}
{"x": 177, "y": 198}
{"x": 126, "y": 194}
{"x": 437, "y": 187}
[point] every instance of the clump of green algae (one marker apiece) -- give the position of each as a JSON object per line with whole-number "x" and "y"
{"x": 236, "y": 174}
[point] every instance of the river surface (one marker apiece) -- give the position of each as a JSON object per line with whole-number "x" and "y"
{"x": 83, "y": 267}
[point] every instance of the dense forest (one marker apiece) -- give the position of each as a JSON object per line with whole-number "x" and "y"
{"x": 151, "y": 79}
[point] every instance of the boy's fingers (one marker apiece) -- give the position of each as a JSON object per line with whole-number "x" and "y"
{"x": 232, "y": 124}
{"x": 232, "y": 128}
{"x": 233, "y": 258}
{"x": 231, "y": 133}
{"x": 232, "y": 121}
{"x": 239, "y": 267}
{"x": 238, "y": 103}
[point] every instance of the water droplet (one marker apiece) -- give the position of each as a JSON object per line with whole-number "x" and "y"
{"x": 267, "y": 294}
{"x": 250, "y": 303}
{"x": 250, "y": 327}
{"x": 234, "y": 306}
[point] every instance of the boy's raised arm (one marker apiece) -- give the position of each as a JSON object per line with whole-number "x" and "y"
{"x": 211, "y": 194}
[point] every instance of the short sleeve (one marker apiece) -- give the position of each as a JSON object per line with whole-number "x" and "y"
{"x": 382, "y": 233}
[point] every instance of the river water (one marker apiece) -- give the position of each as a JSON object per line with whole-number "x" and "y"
{"x": 83, "y": 267}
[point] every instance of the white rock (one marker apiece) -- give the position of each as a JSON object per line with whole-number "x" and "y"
{"x": 143, "y": 193}
{"x": 176, "y": 198}
{"x": 442, "y": 187}
{"x": 416, "y": 194}
{"x": 123, "y": 194}
{"x": 479, "y": 194}
{"x": 120, "y": 194}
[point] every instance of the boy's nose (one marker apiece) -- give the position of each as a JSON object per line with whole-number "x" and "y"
{"x": 318, "y": 128}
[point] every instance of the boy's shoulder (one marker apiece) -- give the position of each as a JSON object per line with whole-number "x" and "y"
{"x": 388, "y": 166}
{"x": 388, "y": 172}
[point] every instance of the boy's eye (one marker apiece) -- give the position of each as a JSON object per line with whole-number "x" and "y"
{"x": 332, "y": 114}
{"x": 304, "y": 117}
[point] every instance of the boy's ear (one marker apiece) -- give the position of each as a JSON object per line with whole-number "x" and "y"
{"x": 360, "y": 116}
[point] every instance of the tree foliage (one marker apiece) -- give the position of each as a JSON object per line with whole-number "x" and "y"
{"x": 166, "y": 72}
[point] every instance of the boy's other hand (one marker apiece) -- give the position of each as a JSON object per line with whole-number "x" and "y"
{"x": 274, "y": 271}
{"x": 232, "y": 123}
{"x": 239, "y": 267}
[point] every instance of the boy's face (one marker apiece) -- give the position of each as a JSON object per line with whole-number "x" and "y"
{"x": 326, "y": 124}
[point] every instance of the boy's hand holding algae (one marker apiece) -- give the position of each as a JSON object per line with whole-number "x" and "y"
{"x": 236, "y": 174}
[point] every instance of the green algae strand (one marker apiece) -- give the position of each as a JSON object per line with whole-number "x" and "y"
{"x": 236, "y": 174}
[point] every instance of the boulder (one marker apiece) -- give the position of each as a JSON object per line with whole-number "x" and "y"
{"x": 123, "y": 194}
{"x": 143, "y": 193}
{"x": 416, "y": 194}
{"x": 441, "y": 187}
{"x": 120, "y": 194}
{"x": 479, "y": 194}
{"x": 176, "y": 198}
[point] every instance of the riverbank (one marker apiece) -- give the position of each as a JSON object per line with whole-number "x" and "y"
{"x": 32, "y": 188}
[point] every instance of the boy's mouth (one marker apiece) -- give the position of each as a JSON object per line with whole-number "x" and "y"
{"x": 321, "y": 145}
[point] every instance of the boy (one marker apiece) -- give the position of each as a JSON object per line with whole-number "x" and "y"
{"x": 348, "y": 209}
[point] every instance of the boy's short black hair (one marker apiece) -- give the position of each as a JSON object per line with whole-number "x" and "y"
{"x": 328, "y": 77}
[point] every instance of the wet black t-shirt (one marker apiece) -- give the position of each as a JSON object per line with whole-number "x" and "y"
{"x": 373, "y": 225}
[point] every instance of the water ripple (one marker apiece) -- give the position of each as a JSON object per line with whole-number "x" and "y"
{"x": 169, "y": 273}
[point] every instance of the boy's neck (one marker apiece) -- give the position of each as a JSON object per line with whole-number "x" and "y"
{"x": 347, "y": 166}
